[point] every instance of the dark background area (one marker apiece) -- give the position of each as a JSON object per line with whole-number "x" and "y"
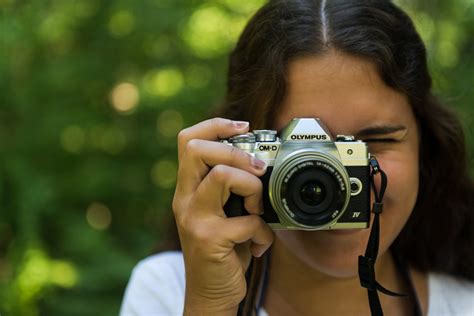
{"x": 92, "y": 95}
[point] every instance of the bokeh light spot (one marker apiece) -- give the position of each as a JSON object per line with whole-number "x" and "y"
{"x": 98, "y": 216}
{"x": 164, "y": 83}
{"x": 169, "y": 123}
{"x": 121, "y": 23}
{"x": 245, "y": 7}
{"x": 124, "y": 98}
{"x": 450, "y": 31}
{"x": 72, "y": 139}
{"x": 85, "y": 8}
{"x": 211, "y": 31}
{"x": 56, "y": 26}
{"x": 447, "y": 54}
{"x": 163, "y": 174}
{"x": 63, "y": 274}
{"x": 425, "y": 26}
{"x": 38, "y": 271}
{"x": 33, "y": 276}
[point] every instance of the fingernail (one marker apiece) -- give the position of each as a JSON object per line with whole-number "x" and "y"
{"x": 259, "y": 164}
{"x": 241, "y": 124}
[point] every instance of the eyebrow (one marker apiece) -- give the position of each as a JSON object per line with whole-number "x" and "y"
{"x": 380, "y": 130}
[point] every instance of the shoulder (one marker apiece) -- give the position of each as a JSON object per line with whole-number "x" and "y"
{"x": 156, "y": 286}
{"x": 450, "y": 295}
{"x": 169, "y": 265}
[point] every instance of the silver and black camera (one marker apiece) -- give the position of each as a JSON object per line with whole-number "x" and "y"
{"x": 312, "y": 182}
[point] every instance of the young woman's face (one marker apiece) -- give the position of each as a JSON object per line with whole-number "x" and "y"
{"x": 350, "y": 98}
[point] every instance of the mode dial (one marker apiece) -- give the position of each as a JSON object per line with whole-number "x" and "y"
{"x": 265, "y": 135}
{"x": 345, "y": 138}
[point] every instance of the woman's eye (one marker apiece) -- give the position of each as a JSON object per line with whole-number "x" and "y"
{"x": 381, "y": 140}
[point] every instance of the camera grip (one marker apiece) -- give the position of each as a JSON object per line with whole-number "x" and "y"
{"x": 235, "y": 206}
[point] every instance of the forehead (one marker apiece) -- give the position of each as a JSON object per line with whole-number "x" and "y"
{"x": 346, "y": 92}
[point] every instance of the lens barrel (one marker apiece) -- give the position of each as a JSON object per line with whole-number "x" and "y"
{"x": 310, "y": 189}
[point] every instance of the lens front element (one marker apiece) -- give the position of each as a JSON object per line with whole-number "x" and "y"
{"x": 313, "y": 193}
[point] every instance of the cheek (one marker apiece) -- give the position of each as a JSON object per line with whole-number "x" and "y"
{"x": 337, "y": 255}
{"x": 400, "y": 197}
{"x": 402, "y": 179}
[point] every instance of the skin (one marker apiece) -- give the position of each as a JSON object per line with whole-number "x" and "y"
{"x": 217, "y": 250}
{"x": 348, "y": 95}
{"x": 319, "y": 267}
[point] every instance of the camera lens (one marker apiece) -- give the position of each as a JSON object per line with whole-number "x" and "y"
{"x": 313, "y": 193}
{"x": 309, "y": 189}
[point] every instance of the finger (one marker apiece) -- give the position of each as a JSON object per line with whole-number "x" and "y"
{"x": 215, "y": 189}
{"x": 212, "y": 129}
{"x": 200, "y": 155}
{"x": 251, "y": 227}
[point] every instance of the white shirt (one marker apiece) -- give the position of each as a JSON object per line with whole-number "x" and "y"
{"x": 157, "y": 287}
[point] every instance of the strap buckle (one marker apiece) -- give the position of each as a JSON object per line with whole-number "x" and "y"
{"x": 367, "y": 273}
{"x": 377, "y": 208}
{"x": 374, "y": 164}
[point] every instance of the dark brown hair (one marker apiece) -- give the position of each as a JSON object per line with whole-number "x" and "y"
{"x": 439, "y": 234}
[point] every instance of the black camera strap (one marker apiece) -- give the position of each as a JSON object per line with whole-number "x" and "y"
{"x": 367, "y": 262}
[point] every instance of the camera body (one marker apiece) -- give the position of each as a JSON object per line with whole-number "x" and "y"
{"x": 312, "y": 182}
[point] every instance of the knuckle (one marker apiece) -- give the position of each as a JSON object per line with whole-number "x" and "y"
{"x": 202, "y": 234}
{"x": 259, "y": 222}
{"x": 254, "y": 183}
{"x": 183, "y": 136}
{"x": 256, "y": 221}
{"x": 238, "y": 155}
{"x": 219, "y": 173}
{"x": 215, "y": 120}
{"x": 255, "y": 187}
{"x": 175, "y": 205}
{"x": 258, "y": 186}
{"x": 221, "y": 122}
{"x": 191, "y": 146}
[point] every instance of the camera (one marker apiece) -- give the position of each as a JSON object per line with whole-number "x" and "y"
{"x": 312, "y": 182}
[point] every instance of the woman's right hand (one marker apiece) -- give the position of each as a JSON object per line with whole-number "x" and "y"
{"x": 217, "y": 250}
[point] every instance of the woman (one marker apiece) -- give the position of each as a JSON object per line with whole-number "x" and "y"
{"x": 361, "y": 68}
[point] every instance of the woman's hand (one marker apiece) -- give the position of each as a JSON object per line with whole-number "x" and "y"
{"x": 217, "y": 250}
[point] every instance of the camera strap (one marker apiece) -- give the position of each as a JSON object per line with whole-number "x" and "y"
{"x": 367, "y": 262}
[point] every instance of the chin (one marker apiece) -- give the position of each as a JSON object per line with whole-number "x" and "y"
{"x": 333, "y": 253}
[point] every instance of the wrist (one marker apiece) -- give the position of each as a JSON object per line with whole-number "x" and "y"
{"x": 199, "y": 306}
{"x": 205, "y": 311}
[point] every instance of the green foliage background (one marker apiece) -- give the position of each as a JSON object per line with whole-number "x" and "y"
{"x": 92, "y": 96}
